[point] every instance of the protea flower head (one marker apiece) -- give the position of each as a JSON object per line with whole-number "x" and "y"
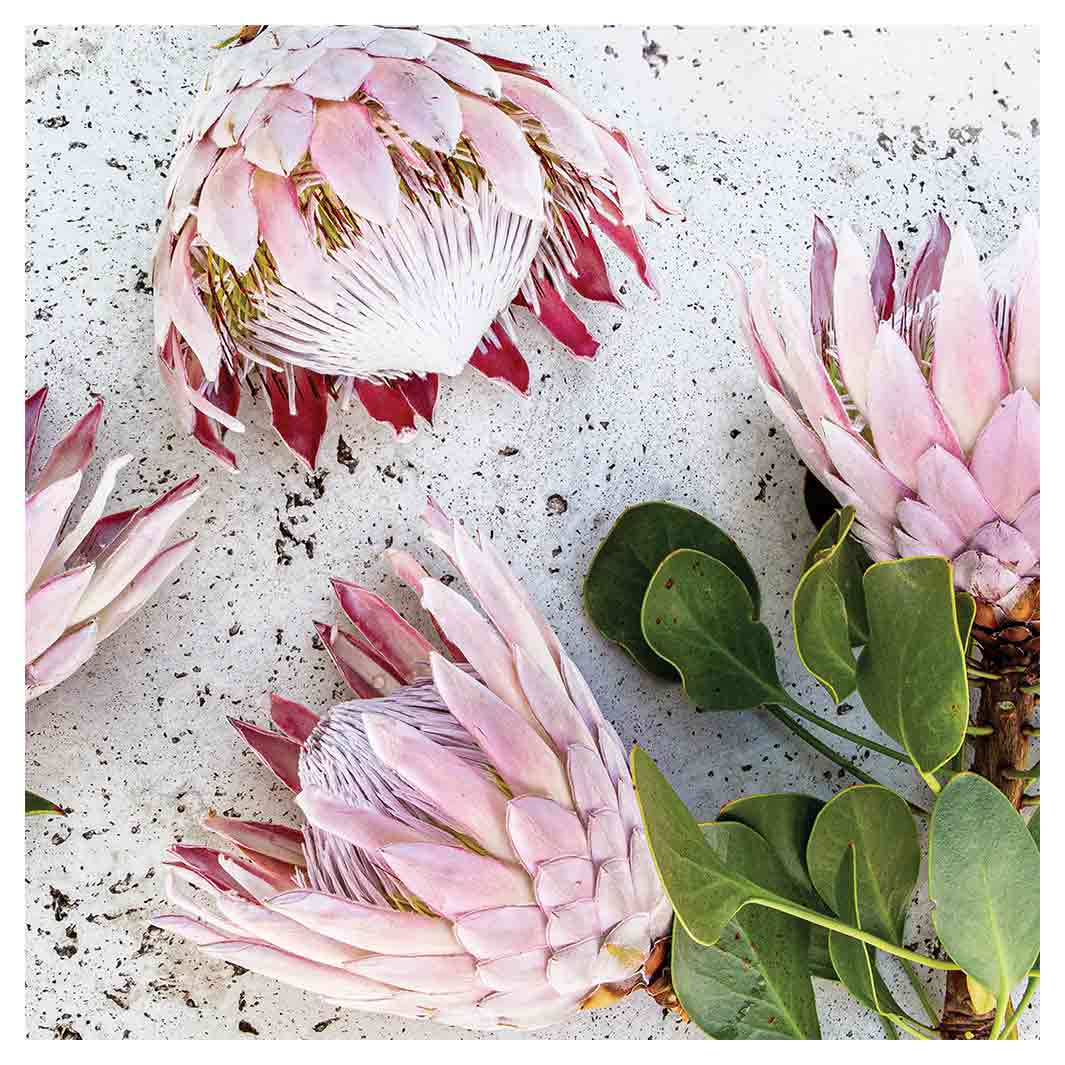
{"x": 355, "y": 210}
{"x": 85, "y": 579}
{"x": 472, "y": 851}
{"x": 918, "y": 403}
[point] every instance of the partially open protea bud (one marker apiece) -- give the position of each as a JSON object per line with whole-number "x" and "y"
{"x": 918, "y": 404}
{"x": 473, "y": 850}
{"x": 354, "y": 211}
{"x": 84, "y": 581}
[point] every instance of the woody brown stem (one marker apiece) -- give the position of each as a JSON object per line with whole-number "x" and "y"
{"x": 1007, "y": 707}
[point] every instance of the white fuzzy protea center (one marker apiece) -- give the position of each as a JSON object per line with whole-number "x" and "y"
{"x": 415, "y": 296}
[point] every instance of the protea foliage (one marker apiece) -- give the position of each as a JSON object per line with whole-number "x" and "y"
{"x": 918, "y": 402}
{"x": 354, "y": 211}
{"x": 472, "y": 851}
{"x": 85, "y": 579}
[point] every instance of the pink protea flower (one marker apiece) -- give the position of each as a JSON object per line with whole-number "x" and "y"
{"x": 355, "y": 210}
{"x": 84, "y": 582}
{"x": 472, "y": 851}
{"x": 917, "y": 404}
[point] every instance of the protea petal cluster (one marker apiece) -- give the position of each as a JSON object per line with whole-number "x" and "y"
{"x": 354, "y": 212}
{"x": 472, "y": 851}
{"x": 917, "y": 403}
{"x": 85, "y": 579}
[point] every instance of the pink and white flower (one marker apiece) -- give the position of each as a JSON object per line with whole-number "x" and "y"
{"x": 916, "y": 403}
{"x": 354, "y": 211}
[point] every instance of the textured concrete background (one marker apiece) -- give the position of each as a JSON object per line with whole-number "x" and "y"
{"x": 756, "y": 127}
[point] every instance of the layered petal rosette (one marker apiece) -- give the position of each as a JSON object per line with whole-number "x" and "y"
{"x": 472, "y": 850}
{"x": 86, "y": 578}
{"x": 354, "y": 211}
{"x": 917, "y": 401}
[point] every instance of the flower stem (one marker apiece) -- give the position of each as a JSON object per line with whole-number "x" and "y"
{"x": 1000, "y": 1016}
{"x": 813, "y": 917}
{"x": 1029, "y": 991}
{"x": 889, "y": 1028}
{"x": 846, "y": 734}
{"x": 831, "y": 755}
{"x": 911, "y": 1027}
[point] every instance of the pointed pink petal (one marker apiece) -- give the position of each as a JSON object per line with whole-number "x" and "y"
{"x": 653, "y": 183}
{"x": 386, "y": 403}
{"x": 855, "y": 317}
{"x": 540, "y": 830}
{"x": 1005, "y": 458}
{"x": 556, "y": 715}
{"x": 421, "y": 103}
{"x": 198, "y": 932}
{"x": 628, "y": 242}
{"x": 926, "y": 527}
{"x": 501, "y": 931}
{"x": 190, "y": 316}
{"x": 983, "y": 576}
{"x": 373, "y": 928}
{"x": 278, "y": 753}
{"x": 420, "y": 393}
{"x": 300, "y": 264}
{"x": 589, "y": 781}
{"x": 763, "y": 362}
{"x": 591, "y": 280}
{"x": 947, "y": 486}
{"x": 233, "y": 121}
{"x": 1028, "y": 522}
{"x": 34, "y": 406}
{"x": 50, "y": 606}
{"x": 882, "y": 279}
{"x": 926, "y": 274}
{"x": 571, "y": 134}
{"x": 302, "y": 432}
{"x": 515, "y": 972}
{"x": 337, "y": 75}
{"x": 807, "y": 443}
{"x": 904, "y": 416}
{"x": 513, "y": 168}
{"x": 573, "y": 923}
{"x": 823, "y": 259}
{"x": 362, "y": 826}
{"x": 606, "y": 837}
{"x": 46, "y": 511}
{"x": 454, "y": 881}
{"x": 1024, "y": 349}
{"x": 188, "y": 172}
{"x": 440, "y": 973}
{"x": 294, "y": 719}
{"x": 104, "y": 533}
{"x": 275, "y": 841}
{"x": 1007, "y": 544}
{"x": 502, "y": 361}
{"x": 364, "y": 671}
{"x": 64, "y": 658}
{"x": 563, "y": 881}
{"x": 858, "y": 466}
{"x": 280, "y": 130}
{"x": 353, "y": 159}
{"x": 523, "y": 760}
{"x": 227, "y": 219}
{"x": 464, "y": 69}
{"x": 72, "y": 454}
{"x": 628, "y": 183}
{"x": 969, "y": 374}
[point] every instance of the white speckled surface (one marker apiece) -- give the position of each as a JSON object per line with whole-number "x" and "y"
{"x": 756, "y": 127}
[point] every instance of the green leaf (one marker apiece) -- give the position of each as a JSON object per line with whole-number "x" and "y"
{"x": 845, "y": 558}
{"x": 625, "y": 561}
{"x": 911, "y": 673}
{"x": 878, "y": 824}
{"x": 699, "y": 616}
{"x": 983, "y": 879}
{"x": 755, "y": 982}
{"x": 965, "y": 605}
{"x": 36, "y": 805}
{"x": 1033, "y": 825}
{"x": 855, "y": 961}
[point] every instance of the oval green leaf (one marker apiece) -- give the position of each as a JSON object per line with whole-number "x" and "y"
{"x": 755, "y": 982}
{"x": 983, "y": 880}
{"x": 911, "y": 673}
{"x": 626, "y": 560}
{"x": 36, "y": 805}
{"x": 878, "y": 824}
{"x": 699, "y": 616}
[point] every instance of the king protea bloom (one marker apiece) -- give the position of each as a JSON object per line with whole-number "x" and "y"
{"x": 85, "y": 579}
{"x": 472, "y": 851}
{"x": 917, "y": 403}
{"x": 355, "y": 210}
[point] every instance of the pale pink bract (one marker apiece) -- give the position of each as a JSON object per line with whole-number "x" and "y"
{"x": 473, "y": 851}
{"x": 354, "y": 211}
{"x": 85, "y": 579}
{"x": 916, "y": 403}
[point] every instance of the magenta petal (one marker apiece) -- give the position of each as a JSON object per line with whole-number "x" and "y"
{"x": 1005, "y": 458}
{"x": 926, "y": 274}
{"x": 420, "y": 393}
{"x": 190, "y": 316}
{"x": 274, "y": 841}
{"x": 365, "y": 671}
{"x": 969, "y": 374}
{"x": 624, "y": 237}
{"x": 502, "y": 361}
{"x": 72, "y": 454}
{"x": 278, "y": 753}
{"x": 882, "y": 279}
{"x": 855, "y": 317}
{"x": 386, "y": 403}
{"x": 34, "y": 406}
{"x": 294, "y": 719}
{"x": 1024, "y": 349}
{"x": 561, "y": 322}
{"x": 822, "y": 278}
{"x": 302, "y": 432}
{"x": 592, "y": 280}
